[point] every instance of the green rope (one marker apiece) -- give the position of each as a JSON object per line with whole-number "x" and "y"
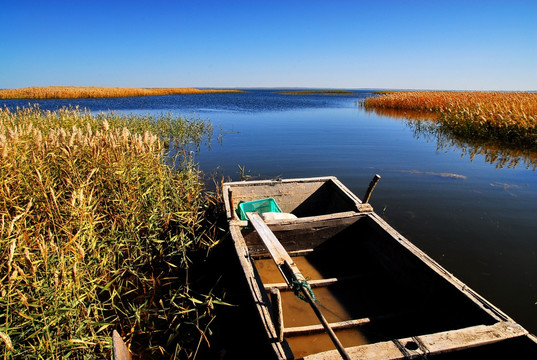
{"x": 297, "y": 287}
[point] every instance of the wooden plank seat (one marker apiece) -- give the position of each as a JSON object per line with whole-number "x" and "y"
{"x": 425, "y": 345}
{"x": 291, "y": 254}
{"x": 314, "y": 283}
{"x": 313, "y": 329}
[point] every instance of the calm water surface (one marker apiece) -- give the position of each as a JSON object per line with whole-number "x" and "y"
{"x": 477, "y": 219}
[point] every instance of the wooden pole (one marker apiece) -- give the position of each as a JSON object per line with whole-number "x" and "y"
{"x": 370, "y": 189}
{"x": 121, "y": 352}
{"x": 277, "y": 312}
{"x": 309, "y": 299}
{"x": 230, "y": 197}
{"x": 291, "y": 273}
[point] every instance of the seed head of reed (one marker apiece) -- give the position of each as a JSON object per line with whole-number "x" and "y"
{"x": 98, "y": 230}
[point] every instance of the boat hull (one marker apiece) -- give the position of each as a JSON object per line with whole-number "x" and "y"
{"x": 384, "y": 297}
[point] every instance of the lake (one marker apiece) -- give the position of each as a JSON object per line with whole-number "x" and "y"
{"x": 476, "y": 214}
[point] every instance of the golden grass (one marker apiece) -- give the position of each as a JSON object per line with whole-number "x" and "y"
{"x": 96, "y": 232}
{"x": 76, "y": 92}
{"x": 510, "y": 117}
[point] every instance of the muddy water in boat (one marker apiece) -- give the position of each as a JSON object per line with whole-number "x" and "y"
{"x": 299, "y": 313}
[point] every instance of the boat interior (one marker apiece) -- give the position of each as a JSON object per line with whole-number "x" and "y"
{"x": 368, "y": 281}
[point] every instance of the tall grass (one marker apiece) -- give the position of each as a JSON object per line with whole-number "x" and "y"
{"x": 96, "y": 232}
{"x": 74, "y": 92}
{"x": 508, "y": 117}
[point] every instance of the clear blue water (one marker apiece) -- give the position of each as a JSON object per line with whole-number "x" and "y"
{"x": 480, "y": 224}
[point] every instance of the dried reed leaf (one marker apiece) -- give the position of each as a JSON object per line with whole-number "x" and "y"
{"x": 7, "y": 341}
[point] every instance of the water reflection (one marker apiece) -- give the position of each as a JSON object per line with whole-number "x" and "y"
{"x": 425, "y": 127}
{"x": 403, "y": 114}
{"x": 493, "y": 153}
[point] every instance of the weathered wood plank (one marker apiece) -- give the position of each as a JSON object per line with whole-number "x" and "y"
{"x": 281, "y": 350}
{"x": 315, "y": 283}
{"x": 276, "y": 250}
{"x": 277, "y": 312}
{"x": 291, "y": 254}
{"x": 431, "y": 344}
{"x": 312, "y": 329}
{"x": 345, "y": 324}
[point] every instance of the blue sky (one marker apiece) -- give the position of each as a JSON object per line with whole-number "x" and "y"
{"x": 464, "y": 45}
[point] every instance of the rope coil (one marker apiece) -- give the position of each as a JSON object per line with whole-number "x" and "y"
{"x": 297, "y": 287}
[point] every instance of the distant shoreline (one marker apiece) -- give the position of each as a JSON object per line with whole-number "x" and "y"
{"x": 79, "y": 92}
{"x": 311, "y": 92}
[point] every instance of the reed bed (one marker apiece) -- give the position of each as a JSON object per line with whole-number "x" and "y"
{"x": 76, "y": 92}
{"x": 96, "y": 233}
{"x": 504, "y": 116}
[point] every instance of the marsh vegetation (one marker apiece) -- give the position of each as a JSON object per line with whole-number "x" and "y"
{"x": 486, "y": 212}
{"x": 77, "y": 92}
{"x": 97, "y": 228}
{"x": 507, "y": 117}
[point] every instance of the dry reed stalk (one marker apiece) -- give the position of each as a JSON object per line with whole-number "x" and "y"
{"x": 73, "y": 92}
{"x": 7, "y": 341}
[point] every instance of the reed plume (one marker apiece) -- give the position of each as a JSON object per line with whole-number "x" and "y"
{"x": 97, "y": 227}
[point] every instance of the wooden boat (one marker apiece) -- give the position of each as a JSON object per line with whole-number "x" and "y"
{"x": 382, "y": 296}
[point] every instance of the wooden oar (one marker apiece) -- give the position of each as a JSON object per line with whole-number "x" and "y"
{"x": 291, "y": 273}
{"x": 120, "y": 350}
{"x": 370, "y": 189}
